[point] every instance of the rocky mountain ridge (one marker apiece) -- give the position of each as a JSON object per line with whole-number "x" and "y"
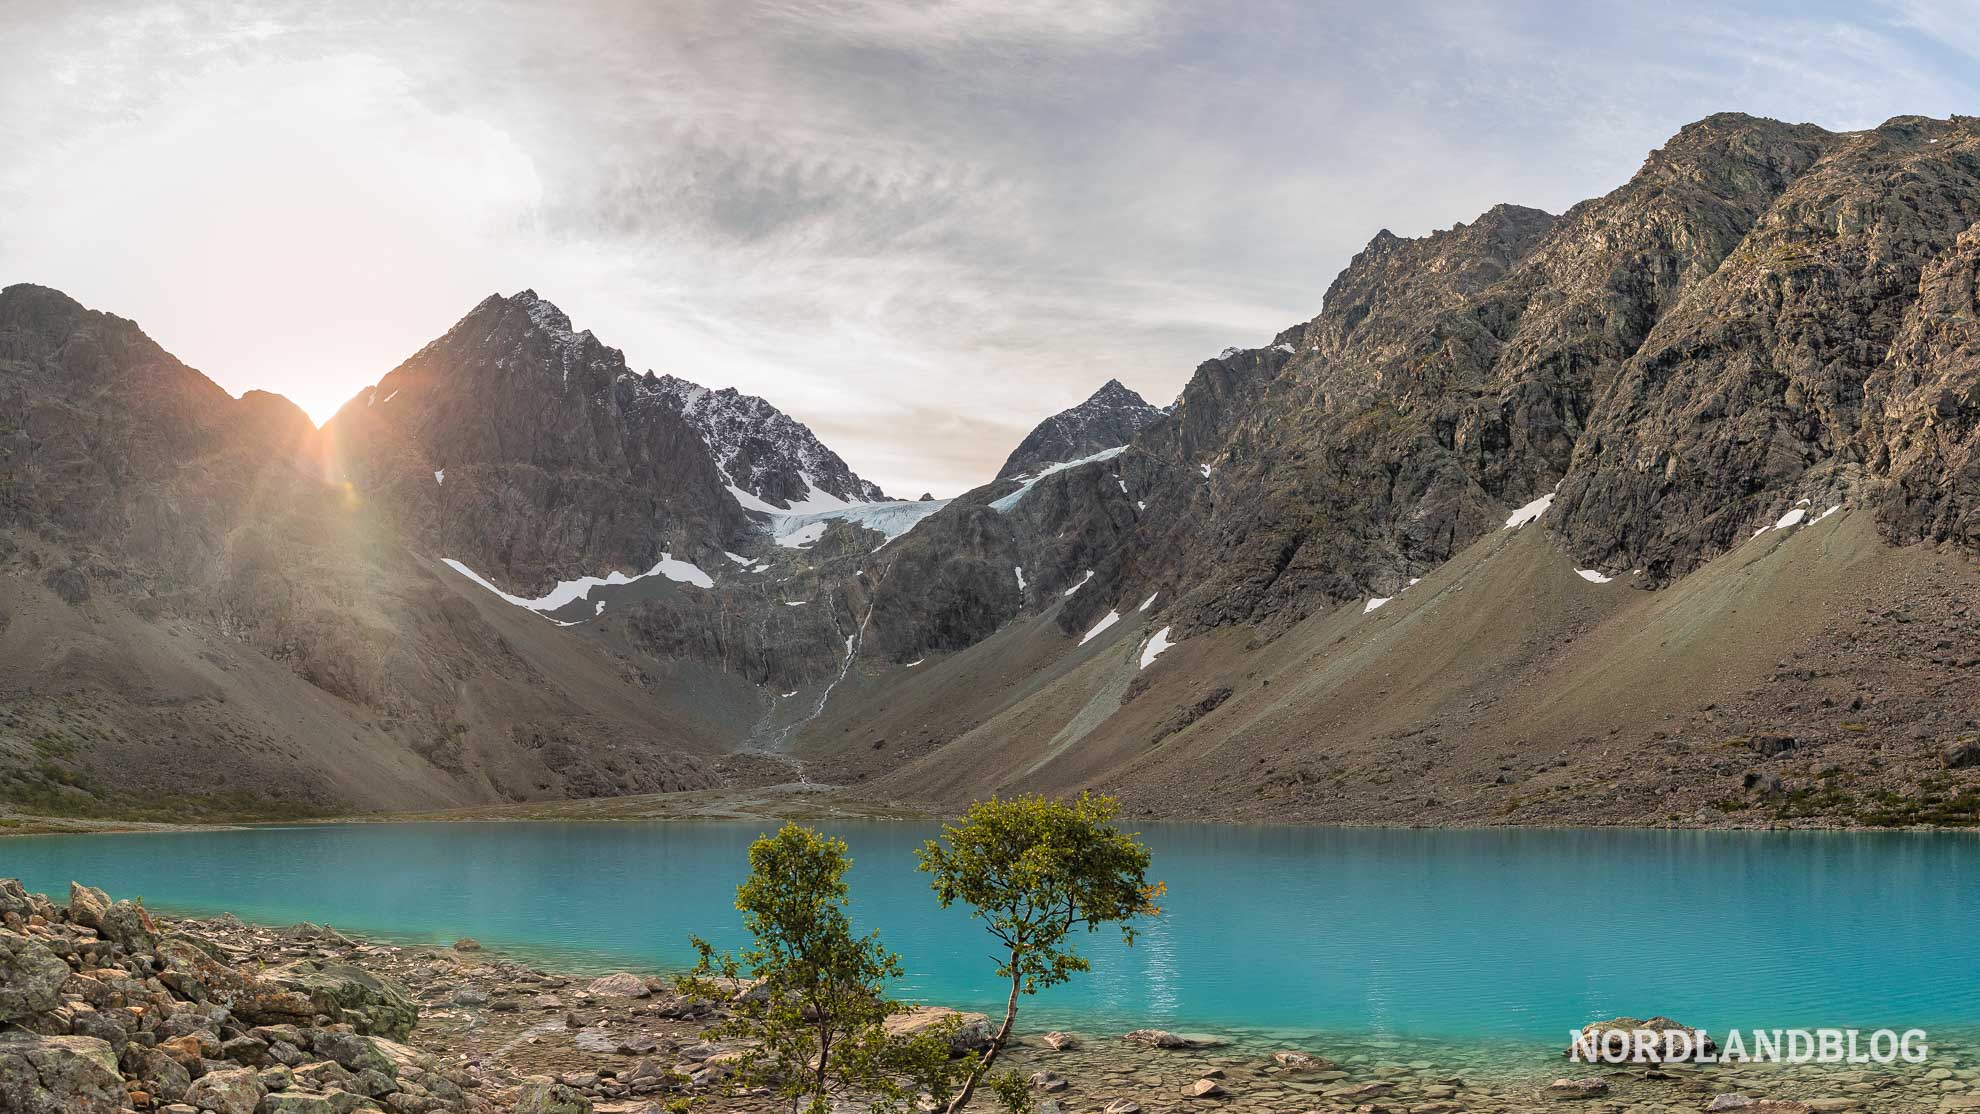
{"x": 1109, "y": 418}
{"x": 765, "y": 453}
{"x": 1767, "y": 324}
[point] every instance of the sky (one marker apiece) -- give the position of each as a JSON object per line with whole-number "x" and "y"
{"x": 919, "y": 226}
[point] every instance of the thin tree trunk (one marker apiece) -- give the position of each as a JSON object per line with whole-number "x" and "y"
{"x": 996, "y": 1043}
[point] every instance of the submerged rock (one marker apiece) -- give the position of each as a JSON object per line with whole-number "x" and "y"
{"x": 1577, "y": 1089}
{"x": 1620, "y": 1033}
{"x": 1162, "y": 1038}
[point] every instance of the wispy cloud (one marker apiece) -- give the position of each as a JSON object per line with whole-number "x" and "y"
{"x": 919, "y": 226}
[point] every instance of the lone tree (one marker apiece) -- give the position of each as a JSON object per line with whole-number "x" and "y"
{"x": 1034, "y": 870}
{"x": 817, "y": 1016}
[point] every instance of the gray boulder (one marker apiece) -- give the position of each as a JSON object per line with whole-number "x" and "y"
{"x": 163, "y": 1077}
{"x": 87, "y": 905}
{"x": 127, "y": 925}
{"x": 31, "y": 977}
{"x": 58, "y": 1075}
{"x": 541, "y": 1096}
{"x": 297, "y": 1102}
{"x": 372, "y": 1003}
{"x": 233, "y": 1091}
{"x": 967, "y": 1032}
{"x": 619, "y": 985}
{"x": 14, "y": 899}
{"x": 1961, "y": 755}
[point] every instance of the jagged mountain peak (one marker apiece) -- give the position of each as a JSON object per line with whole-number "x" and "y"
{"x": 771, "y": 460}
{"x": 1109, "y": 417}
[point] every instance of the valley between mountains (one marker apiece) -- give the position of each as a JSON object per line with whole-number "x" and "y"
{"x": 1663, "y": 510}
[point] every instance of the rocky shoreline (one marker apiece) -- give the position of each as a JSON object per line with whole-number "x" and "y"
{"x": 105, "y": 1009}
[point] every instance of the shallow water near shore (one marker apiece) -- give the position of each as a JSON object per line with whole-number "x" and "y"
{"x": 1500, "y": 938}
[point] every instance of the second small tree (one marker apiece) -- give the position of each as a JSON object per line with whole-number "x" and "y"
{"x": 1034, "y": 870}
{"x": 814, "y": 1023}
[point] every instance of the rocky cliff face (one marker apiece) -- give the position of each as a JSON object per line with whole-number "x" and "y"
{"x": 1110, "y": 417}
{"x": 531, "y": 453}
{"x": 1752, "y": 394}
{"x": 762, "y": 451}
{"x": 110, "y": 444}
{"x": 1655, "y": 353}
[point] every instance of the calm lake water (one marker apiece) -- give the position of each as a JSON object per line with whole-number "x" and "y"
{"x": 1515, "y": 935}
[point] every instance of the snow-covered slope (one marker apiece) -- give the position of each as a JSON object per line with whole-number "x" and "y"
{"x": 892, "y": 518}
{"x": 773, "y": 462}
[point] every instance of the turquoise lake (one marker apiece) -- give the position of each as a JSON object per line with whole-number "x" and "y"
{"x": 1515, "y": 935}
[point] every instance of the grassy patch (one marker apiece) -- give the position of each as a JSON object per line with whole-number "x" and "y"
{"x": 47, "y": 789}
{"x": 1819, "y": 801}
{"x": 1935, "y": 804}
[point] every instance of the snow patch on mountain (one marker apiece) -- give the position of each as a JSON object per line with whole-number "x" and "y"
{"x": 1099, "y": 627}
{"x": 1529, "y": 512}
{"x": 1030, "y": 480}
{"x": 892, "y": 518}
{"x": 568, "y": 592}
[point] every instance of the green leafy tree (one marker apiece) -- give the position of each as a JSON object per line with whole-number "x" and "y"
{"x": 816, "y": 1019}
{"x": 1034, "y": 870}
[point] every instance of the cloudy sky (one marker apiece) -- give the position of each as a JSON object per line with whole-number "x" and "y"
{"x": 917, "y": 225}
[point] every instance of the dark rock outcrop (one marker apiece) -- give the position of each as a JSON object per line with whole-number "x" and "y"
{"x": 532, "y": 454}
{"x": 761, "y": 449}
{"x": 1111, "y": 416}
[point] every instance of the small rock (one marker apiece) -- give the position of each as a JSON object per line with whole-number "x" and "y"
{"x": 1770, "y": 745}
{"x": 1961, "y": 755}
{"x": 971, "y": 1030}
{"x": 1586, "y": 1088}
{"x": 639, "y": 1044}
{"x": 297, "y": 1102}
{"x": 1205, "y": 1089}
{"x": 227, "y": 1092}
{"x": 1048, "y": 1081}
{"x": 1162, "y": 1038}
{"x": 542, "y": 1096}
{"x": 619, "y": 985}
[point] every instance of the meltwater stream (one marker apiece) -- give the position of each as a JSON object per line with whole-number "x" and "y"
{"x": 1501, "y": 934}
